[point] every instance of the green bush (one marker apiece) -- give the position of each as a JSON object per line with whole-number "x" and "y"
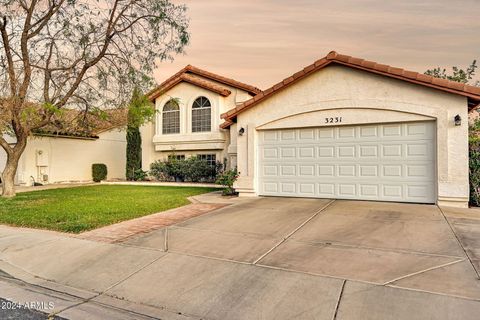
{"x": 192, "y": 169}
{"x": 140, "y": 175}
{"x": 474, "y": 168}
{"x": 99, "y": 172}
{"x": 197, "y": 170}
{"x": 227, "y": 179}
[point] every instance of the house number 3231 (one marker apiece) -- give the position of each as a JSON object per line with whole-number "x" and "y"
{"x": 333, "y": 120}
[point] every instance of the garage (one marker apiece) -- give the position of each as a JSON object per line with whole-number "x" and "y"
{"x": 385, "y": 162}
{"x": 348, "y": 128}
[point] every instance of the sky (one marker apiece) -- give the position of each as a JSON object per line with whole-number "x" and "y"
{"x": 261, "y": 42}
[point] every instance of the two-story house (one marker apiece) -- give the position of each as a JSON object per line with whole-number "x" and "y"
{"x": 189, "y": 105}
{"x": 340, "y": 128}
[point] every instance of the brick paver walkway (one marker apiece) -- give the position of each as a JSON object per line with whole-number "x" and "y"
{"x": 123, "y": 230}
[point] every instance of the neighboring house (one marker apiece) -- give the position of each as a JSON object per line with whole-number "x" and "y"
{"x": 57, "y": 155}
{"x": 347, "y": 128}
{"x": 189, "y": 106}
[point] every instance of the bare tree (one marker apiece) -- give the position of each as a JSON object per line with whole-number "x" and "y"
{"x": 84, "y": 54}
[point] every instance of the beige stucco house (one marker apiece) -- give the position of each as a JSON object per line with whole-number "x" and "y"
{"x": 62, "y": 156}
{"x": 342, "y": 128}
{"x": 189, "y": 106}
{"x": 348, "y": 128}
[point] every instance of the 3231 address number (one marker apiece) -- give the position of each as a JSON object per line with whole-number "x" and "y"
{"x": 333, "y": 120}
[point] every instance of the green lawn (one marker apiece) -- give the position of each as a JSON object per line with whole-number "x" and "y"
{"x": 84, "y": 208}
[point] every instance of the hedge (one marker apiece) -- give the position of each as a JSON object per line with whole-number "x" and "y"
{"x": 474, "y": 168}
{"x": 99, "y": 172}
{"x": 192, "y": 169}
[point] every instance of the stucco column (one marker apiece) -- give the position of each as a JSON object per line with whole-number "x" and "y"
{"x": 453, "y": 180}
{"x": 246, "y": 161}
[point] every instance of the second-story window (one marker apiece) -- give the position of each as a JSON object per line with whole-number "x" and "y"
{"x": 171, "y": 117}
{"x": 201, "y": 115}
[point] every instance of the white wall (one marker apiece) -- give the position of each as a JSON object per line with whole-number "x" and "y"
{"x": 361, "y": 97}
{"x": 3, "y": 159}
{"x": 156, "y": 145}
{"x": 70, "y": 160}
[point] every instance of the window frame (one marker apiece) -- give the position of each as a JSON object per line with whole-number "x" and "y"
{"x": 205, "y": 156}
{"x": 198, "y": 115}
{"x": 175, "y": 128}
{"x": 177, "y": 157}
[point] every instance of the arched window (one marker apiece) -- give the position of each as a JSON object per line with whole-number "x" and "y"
{"x": 201, "y": 115}
{"x": 171, "y": 117}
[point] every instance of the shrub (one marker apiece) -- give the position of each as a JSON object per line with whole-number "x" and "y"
{"x": 227, "y": 179}
{"x": 197, "y": 170}
{"x": 99, "y": 172}
{"x": 157, "y": 170}
{"x": 134, "y": 153}
{"x": 474, "y": 170}
{"x": 192, "y": 169}
{"x": 140, "y": 175}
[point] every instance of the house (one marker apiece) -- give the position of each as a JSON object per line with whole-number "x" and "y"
{"x": 57, "y": 154}
{"x": 347, "y": 128}
{"x": 340, "y": 128}
{"x": 189, "y": 106}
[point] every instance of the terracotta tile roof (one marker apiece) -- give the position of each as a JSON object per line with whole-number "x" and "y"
{"x": 77, "y": 124}
{"x": 195, "y": 80}
{"x": 471, "y": 92}
{"x": 200, "y": 78}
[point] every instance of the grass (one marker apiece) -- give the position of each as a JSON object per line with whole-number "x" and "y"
{"x": 84, "y": 208}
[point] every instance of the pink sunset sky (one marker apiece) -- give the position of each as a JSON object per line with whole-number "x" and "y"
{"x": 261, "y": 42}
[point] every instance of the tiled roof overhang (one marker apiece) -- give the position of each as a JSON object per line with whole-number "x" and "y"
{"x": 200, "y": 78}
{"x": 471, "y": 92}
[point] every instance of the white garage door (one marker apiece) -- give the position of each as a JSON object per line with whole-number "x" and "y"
{"x": 386, "y": 162}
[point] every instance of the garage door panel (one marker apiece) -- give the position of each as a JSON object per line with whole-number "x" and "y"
{"x": 373, "y": 162}
{"x": 392, "y": 132}
{"x": 307, "y": 189}
{"x": 307, "y": 152}
{"x": 306, "y": 134}
{"x": 362, "y": 172}
{"x": 369, "y": 191}
{"x": 367, "y": 171}
{"x": 366, "y": 191}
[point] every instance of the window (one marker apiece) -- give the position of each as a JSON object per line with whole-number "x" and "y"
{"x": 210, "y": 158}
{"x": 171, "y": 117}
{"x": 176, "y": 157}
{"x": 201, "y": 115}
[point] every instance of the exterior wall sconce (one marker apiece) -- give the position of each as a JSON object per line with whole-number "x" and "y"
{"x": 241, "y": 131}
{"x": 457, "y": 120}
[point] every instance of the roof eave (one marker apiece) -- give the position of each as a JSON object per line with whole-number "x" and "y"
{"x": 355, "y": 63}
{"x": 158, "y": 91}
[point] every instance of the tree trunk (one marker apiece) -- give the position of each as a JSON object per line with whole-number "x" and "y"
{"x": 8, "y": 176}
{"x": 10, "y": 171}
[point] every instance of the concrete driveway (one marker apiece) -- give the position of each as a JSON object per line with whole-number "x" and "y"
{"x": 279, "y": 258}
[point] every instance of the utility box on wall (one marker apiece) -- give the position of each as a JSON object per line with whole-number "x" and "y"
{"x": 42, "y": 163}
{"x": 42, "y": 158}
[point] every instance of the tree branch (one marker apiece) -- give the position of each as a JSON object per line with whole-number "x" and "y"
{"x": 4, "y": 144}
{"x": 6, "y": 46}
{"x": 91, "y": 63}
{"x": 43, "y": 21}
